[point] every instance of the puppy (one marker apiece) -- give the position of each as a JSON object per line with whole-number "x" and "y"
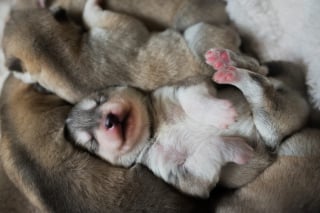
{"x": 290, "y": 184}
{"x": 177, "y": 14}
{"x": 117, "y": 50}
{"x": 56, "y": 177}
{"x": 177, "y": 131}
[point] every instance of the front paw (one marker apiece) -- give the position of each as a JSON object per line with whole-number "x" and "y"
{"x": 221, "y": 113}
{"x": 218, "y": 58}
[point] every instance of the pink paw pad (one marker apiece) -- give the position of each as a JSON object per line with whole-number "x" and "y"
{"x": 218, "y": 58}
{"x": 227, "y": 75}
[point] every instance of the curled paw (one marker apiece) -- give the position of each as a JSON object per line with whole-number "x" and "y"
{"x": 226, "y": 76}
{"x": 218, "y": 58}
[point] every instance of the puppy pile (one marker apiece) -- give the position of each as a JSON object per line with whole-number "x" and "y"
{"x": 148, "y": 97}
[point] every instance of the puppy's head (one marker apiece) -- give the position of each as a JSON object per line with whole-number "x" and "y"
{"x": 113, "y": 124}
{"x": 34, "y": 37}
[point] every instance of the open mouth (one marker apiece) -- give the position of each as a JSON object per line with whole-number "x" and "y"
{"x": 118, "y": 124}
{"x": 123, "y": 126}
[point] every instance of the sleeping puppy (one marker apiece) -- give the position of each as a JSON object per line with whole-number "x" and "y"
{"x": 117, "y": 50}
{"x": 174, "y": 131}
{"x": 56, "y": 177}
{"x": 177, "y": 14}
{"x": 290, "y": 184}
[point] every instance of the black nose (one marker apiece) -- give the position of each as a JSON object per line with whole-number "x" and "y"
{"x": 111, "y": 120}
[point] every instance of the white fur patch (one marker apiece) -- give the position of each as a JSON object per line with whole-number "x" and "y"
{"x": 191, "y": 33}
{"x": 25, "y": 77}
{"x": 205, "y": 108}
{"x": 82, "y": 137}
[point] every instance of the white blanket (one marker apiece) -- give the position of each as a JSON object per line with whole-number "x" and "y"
{"x": 283, "y": 30}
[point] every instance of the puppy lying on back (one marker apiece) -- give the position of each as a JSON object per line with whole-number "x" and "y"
{"x": 173, "y": 130}
{"x": 56, "y": 177}
{"x": 116, "y": 50}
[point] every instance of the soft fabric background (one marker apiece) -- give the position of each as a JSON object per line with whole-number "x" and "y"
{"x": 282, "y": 30}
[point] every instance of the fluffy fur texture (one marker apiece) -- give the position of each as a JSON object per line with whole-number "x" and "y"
{"x": 282, "y": 30}
{"x": 4, "y": 12}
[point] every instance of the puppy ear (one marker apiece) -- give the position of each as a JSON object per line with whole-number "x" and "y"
{"x": 14, "y": 64}
{"x": 60, "y": 14}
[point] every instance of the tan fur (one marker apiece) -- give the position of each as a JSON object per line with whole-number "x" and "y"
{"x": 184, "y": 143}
{"x": 117, "y": 50}
{"x": 35, "y": 66}
{"x": 53, "y": 174}
{"x": 291, "y": 184}
{"x": 177, "y": 14}
{"x": 22, "y": 5}
{"x": 11, "y": 199}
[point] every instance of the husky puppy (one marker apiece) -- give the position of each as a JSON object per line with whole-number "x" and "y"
{"x": 176, "y": 130}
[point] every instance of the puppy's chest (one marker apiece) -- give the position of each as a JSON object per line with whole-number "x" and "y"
{"x": 174, "y": 142}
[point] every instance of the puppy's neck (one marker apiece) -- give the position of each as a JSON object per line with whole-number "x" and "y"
{"x": 163, "y": 109}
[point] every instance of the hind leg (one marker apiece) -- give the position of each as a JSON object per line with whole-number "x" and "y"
{"x": 201, "y": 36}
{"x": 277, "y": 109}
{"x": 94, "y": 16}
{"x": 220, "y": 58}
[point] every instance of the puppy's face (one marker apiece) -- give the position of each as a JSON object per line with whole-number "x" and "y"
{"x": 113, "y": 124}
{"x": 29, "y": 39}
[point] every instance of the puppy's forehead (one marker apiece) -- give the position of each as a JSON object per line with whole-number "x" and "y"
{"x": 93, "y": 101}
{"x": 103, "y": 96}
{"x": 112, "y": 91}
